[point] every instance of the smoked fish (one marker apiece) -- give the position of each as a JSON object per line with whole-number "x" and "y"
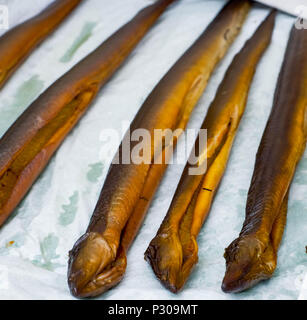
{"x": 29, "y": 143}
{"x": 173, "y": 252}
{"x": 98, "y": 259}
{"x": 20, "y": 41}
{"x": 252, "y": 257}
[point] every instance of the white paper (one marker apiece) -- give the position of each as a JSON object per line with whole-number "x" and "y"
{"x": 293, "y": 7}
{"x": 34, "y": 243}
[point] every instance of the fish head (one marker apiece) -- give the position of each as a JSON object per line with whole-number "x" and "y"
{"x": 248, "y": 261}
{"x": 165, "y": 255}
{"x": 94, "y": 267}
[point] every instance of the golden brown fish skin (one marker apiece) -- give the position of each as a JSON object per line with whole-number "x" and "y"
{"x": 29, "y": 143}
{"x": 19, "y": 42}
{"x": 98, "y": 260}
{"x": 252, "y": 257}
{"x": 172, "y": 254}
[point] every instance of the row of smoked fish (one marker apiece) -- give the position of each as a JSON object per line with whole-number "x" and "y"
{"x": 98, "y": 259}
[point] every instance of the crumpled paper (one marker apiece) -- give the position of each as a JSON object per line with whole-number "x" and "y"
{"x": 34, "y": 243}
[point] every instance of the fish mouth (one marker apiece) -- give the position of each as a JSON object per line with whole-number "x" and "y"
{"x": 171, "y": 266}
{"x": 94, "y": 266}
{"x": 236, "y": 278}
{"x": 247, "y": 263}
{"x": 235, "y": 281}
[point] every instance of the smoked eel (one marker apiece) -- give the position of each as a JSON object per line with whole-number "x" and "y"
{"x": 98, "y": 259}
{"x": 252, "y": 257}
{"x": 27, "y": 146}
{"x": 17, "y": 43}
{"x": 173, "y": 252}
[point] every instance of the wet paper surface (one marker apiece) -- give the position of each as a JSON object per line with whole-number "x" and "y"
{"x": 34, "y": 243}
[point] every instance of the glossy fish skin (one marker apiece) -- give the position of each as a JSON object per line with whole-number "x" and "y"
{"x": 173, "y": 253}
{"x": 98, "y": 259}
{"x": 20, "y": 41}
{"x": 252, "y": 257}
{"x": 27, "y": 146}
